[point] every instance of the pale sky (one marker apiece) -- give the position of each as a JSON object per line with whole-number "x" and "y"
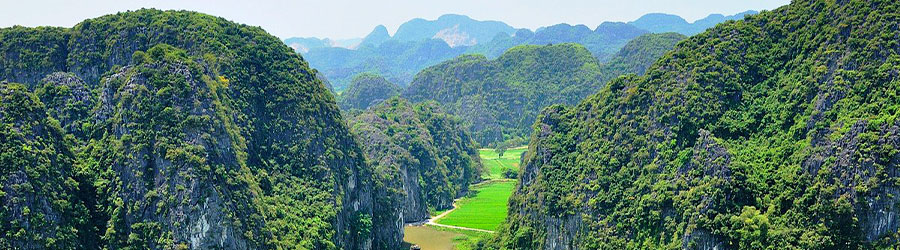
{"x": 341, "y": 19}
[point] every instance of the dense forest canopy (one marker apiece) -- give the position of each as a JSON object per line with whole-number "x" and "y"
{"x": 367, "y": 90}
{"x": 776, "y": 132}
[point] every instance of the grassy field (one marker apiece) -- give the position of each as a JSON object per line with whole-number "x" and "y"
{"x": 485, "y": 210}
{"x": 494, "y": 165}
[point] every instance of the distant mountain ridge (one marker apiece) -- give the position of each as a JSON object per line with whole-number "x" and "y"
{"x": 661, "y": 23}
{"x": 421, "y": 43}
{"x": 304, "y": 44}
{"x": 500, "y": 98}
{"x": 456, "y": 30}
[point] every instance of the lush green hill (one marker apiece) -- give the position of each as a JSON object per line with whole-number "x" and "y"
{"x": 640, "y": 53}
{"x": 187, "y": 130}
{"x": 776, "y": 132}
{"x": 367, "y": 90}
{"x": 424, "y": 158}
{"x": 501, "y": 98}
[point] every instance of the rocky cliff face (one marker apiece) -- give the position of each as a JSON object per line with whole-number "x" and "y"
{"x": 163, "y": 186}
{"x": 37, "y": 180}
{"x": 216, "y": 136}
{"x": 422, "y": 158}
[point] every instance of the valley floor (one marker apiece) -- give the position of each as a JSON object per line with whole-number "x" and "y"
{"x": 473, "y": 217}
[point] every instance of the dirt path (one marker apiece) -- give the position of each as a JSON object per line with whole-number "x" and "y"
{"x": 431, "y": 221}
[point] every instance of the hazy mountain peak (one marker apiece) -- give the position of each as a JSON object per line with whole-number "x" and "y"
{"x": 454, "y": 17}
{"x": 378, "y": 36}
{"x": 661, "y": 23}
{"x": 454, "y": 29}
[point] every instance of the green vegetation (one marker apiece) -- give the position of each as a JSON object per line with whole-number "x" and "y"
{"x": 165, "y": 120}
{"x": 640, "y": 53}
{"x": 776, "y": 132}
{"x": 484, "y": 209}
{"x": 425, "y": 156}
{"x": 37, "y": 180}
{"x": 495, "y": 165}
{"x": 501, "y": 98}
{"x": 367, "y": 90}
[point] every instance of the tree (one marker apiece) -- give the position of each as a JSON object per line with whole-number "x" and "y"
{"x": 510, "y": 173}
{"x": 501, "y": 148}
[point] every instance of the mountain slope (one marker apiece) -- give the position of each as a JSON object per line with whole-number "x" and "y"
{"x": 455, "y": 30}
{"x": 776, "y": 132}
{"x": 214, "y": 136}
{"x": 367, "y": 90}
{"x": 37, "y": 179}
{"x": 500, "y": 97}
{"x": 425, "y": 157}
{"x": 640, "y": 53}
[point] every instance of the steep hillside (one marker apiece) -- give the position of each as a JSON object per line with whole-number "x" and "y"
{"x": 375, "y": 38}
{"x": 776, "y": 132}
{"x": 190, "y": 131}
{"x": 367, "y": 90}
{"x": 501, "y": 98}
{"x": 640, "y": 53}
{"x": 37, "y": 179}
{"x": 423, "y": 159}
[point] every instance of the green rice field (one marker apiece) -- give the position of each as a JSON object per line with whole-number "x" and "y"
{"x": 485, "y": 210}
{"x": 494, "y": 164}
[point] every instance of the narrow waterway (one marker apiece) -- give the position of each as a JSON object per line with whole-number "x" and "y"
{"x": 428, "y": 238}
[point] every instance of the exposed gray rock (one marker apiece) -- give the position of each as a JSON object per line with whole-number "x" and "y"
{"x": 150, "y": 180}
{"x": 69, "y": 100}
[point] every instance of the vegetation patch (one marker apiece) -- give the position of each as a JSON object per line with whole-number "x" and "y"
{"x": 484, "y": 209}
{"x": 495, "y": 165}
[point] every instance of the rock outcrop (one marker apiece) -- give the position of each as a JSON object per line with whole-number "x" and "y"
{"x": 422, "y": 159}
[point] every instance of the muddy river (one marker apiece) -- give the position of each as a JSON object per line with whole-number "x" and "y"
{"x": 428, "y": 238}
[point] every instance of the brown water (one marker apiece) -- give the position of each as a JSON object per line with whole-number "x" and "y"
{"x": 428, "y": 238}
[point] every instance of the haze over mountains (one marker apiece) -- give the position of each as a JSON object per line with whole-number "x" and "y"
{"x": 154, "y": 129}
{"x": 420, "y": 43}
